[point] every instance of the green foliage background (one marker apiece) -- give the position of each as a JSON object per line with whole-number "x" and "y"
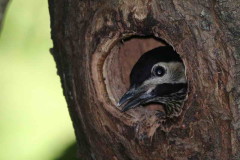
{"x": 34, "y": 120}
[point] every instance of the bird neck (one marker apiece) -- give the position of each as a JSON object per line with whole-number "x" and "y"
{"x": 173, "y": 103}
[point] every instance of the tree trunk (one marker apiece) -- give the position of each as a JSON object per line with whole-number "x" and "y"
{"x": 97, "y": 42}
{"x": 3, "y": 6}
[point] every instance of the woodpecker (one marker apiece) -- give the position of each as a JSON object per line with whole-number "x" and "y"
{"x": 157, "y": 77}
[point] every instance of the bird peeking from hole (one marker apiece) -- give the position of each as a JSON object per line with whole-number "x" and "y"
{"x": 157, "y": 77}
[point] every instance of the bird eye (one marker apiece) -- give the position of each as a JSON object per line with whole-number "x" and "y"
{"x": 159, "y": 71}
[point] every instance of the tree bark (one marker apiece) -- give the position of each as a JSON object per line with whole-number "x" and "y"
{"x": 97, "y": 42}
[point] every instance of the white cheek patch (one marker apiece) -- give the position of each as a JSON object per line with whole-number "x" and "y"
{"x": 175, "y": 73}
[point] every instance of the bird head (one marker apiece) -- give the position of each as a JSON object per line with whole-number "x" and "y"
{"x": 157, "y": 77}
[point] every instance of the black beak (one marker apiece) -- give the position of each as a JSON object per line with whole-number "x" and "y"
{"x": 134, "y": 97}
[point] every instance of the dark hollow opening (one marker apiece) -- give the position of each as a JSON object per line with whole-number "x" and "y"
{"x": 119, "y": 63}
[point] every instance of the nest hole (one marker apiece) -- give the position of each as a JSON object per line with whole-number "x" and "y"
{"x": 118, "y": 65}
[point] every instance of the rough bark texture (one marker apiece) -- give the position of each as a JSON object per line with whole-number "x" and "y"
{"x": 94, "y": 66}
{"x": 3, "y": 6}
